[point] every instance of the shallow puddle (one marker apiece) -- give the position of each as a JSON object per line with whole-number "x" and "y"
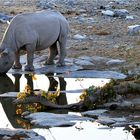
{"x": 71, "y": 89}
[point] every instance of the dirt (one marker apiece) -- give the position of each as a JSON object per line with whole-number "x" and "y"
{"x": 108, "y": 35}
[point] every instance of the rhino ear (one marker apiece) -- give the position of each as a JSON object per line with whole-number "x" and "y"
{"x": 5, "y": 52}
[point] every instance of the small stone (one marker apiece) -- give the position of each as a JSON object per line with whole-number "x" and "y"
{"x": 115, "y": 62}
{"x": 108, "y": 13}
{"x": 122, "y": 2}
{"x": 7, "y": 3}
{"x": 4, "y": 18}
{"x": 121, "y": 13}
{"x": 134, "y": 29}
{"x": 79, "y": 37}
{"x": 129, "y": 18}
{"x": 25, "y": 113}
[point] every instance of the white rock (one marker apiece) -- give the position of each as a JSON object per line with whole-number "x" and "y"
{"x": 108, "y": 13}
{"x": 129, "y": 17}
{"x": 134, "y": 29}
{"x": 79, "y": 37}
{"x": 8, "y": 3}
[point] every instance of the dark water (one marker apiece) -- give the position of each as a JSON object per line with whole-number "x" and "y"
{"x": 71, "y": 88}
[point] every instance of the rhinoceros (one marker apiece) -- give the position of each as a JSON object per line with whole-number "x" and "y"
{"x": 34, "y": 32}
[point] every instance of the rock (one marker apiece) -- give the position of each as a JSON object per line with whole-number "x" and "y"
{"x": 4, "y": 18}
{"x": 83, "y": 63}
{"x": 6, "y": 134}
{"x": 8, "y": 2}
{"x": 108, "y": 13}
{"x": 110, "y": 121}
{"x": 69, "y": 61}
{"x": 134, "y": 29}
{"x": 79, "y": 37}
{"x": 116, "y": 13}
{"x": 87, "y": 20}
{"x": 106, "y": 121}
{"x": 44, "y": 4}
{"x": 123, "y": 2}
{"x": 94, "y": 74}
{"x": 54, "y": 120}
{"x": 71, "y": 3}
{"x": 94, "y": 113}
{"x": 88, "y": 58}
{"x": 99, "y": 59}
{"x": 47, "y": 69}
{"x": 55, "y": 69}
{"x": 129, "y": 18}
{"x": 120, "y": 13}
{"x": 9, "y": 94}
{"x": 115, "y": 62}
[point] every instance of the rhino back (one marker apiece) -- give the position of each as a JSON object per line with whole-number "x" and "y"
{"x": 40, "y": 28}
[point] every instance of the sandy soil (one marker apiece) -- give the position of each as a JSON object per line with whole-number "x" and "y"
{"x": 108, "y": 36}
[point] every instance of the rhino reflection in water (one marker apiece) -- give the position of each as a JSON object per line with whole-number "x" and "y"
{"x": 6, "y": 84}
{"x": 34, "y": 32}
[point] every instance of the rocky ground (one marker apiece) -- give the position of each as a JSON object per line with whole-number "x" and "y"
{"x": 95, "y": 32}
{"x": 99, "y": 38}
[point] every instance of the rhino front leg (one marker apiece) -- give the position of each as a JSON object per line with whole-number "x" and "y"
{"x": 17, "y": 64}
{"x": 30, "y": 57}
{"x": 52, "y": 54}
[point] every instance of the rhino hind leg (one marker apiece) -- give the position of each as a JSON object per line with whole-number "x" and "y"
{"x": 62, "y": 55}
{"x": 53, "y": 52}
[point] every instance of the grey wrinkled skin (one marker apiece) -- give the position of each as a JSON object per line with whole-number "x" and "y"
{"x": 34, "y": 32}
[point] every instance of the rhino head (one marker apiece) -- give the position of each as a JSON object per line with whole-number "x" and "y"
{"x": 6, "y": 60}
